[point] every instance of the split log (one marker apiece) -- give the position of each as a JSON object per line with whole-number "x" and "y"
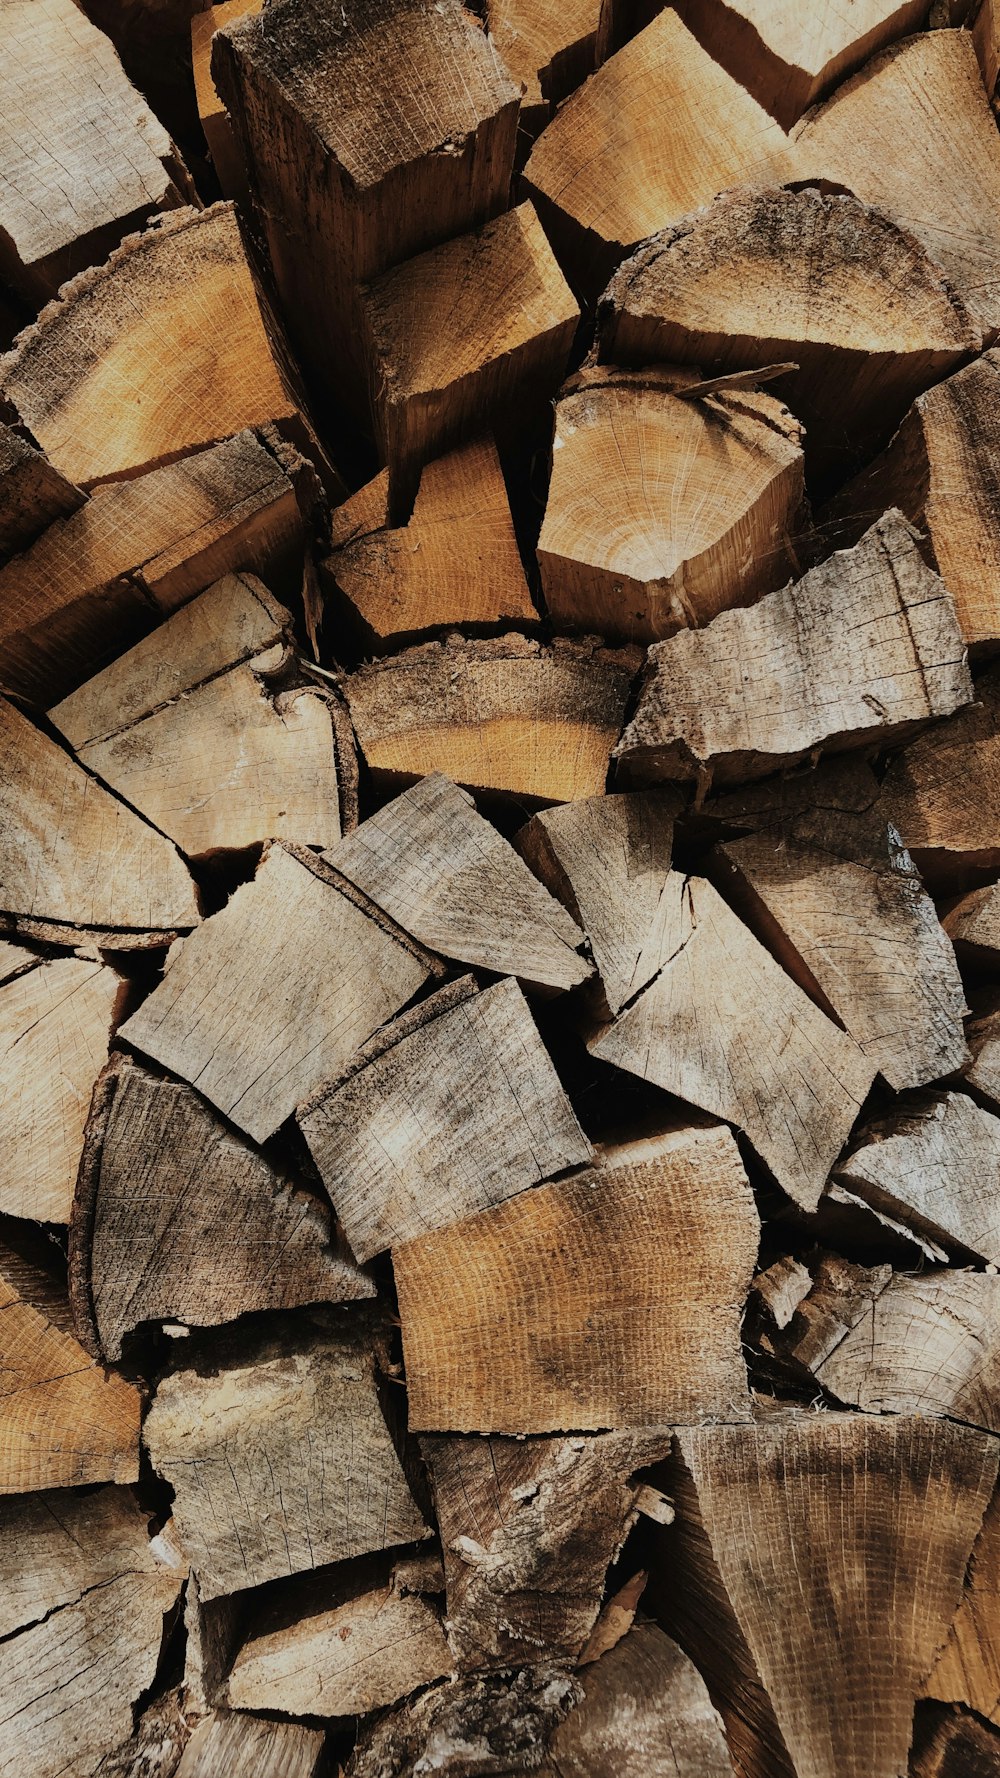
{"x": 618, "y": 1297}
{"x": 176, "y": 1218}
{"x": 967, "y": 1670}
{"x": 507, "y": 715}
{"x": 813, "y": 278}
{"x": 607, "y": 858}
{"x": 83, "y": 159}
{"x": 158, "y": 353}
{"x": 375, "y": 1640}
{"x": 220, "y": 139}
{"x": 280, "y": 1461}
{"x": 823, "y": 880}
{"x": 465, "y": 335}
{"x": 445, "y": 874}
{"x": 367, "y": 137}
{"x": 75, "y": 863}
{"x": 935, "y": 1164}
{"x": 69, "y": 1679}
{"x": 723, "y": 1027}
{"x": 450, "y": 1110}
{"x": 859, "y": 651}
{"x": 204, "y": 731}
{"x": 973, "y": 925}
{"x": 529, "y": 1528}
{"x": 63, "y": 1421}
{"x": 937, "y": 157}
{"x": 654, "y": 135}
{"x": 95, "y": 582}
{"x": 493, "y": 1727}
{"x": 662, "y": 512}
{"x": 983, "y": 1074}
{"x": 788, "y": 58}
{"x": 960, "y": 1747}
{"x": 779, "y": 1520}
{"x": 550, "y": 49}
{"x": 943, "y": 792}
{"x": 32, "y": 493}
{"x": 252, "y": 1746}
{"x": 986, "y": 42}
{"x": 56, "y": 1020}
{"x": 15, "y": 959}
{"x": 455, "y": 561}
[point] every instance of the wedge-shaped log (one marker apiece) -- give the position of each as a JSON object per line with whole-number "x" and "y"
{"x": 223, "y": 148}
{"x": 372, "y": 1641}
{"x": 368, "y": 137}
{"x": 507, "y": 715}
{"x": 983, "y": 1073}
{"x": 282, "y": 1464}
{"x": 938, "y": 157}
{"x": 607, "y": 858}
{"x": 549, "y": 48}
{"x": 206, "y": 729}
{"x": 176, "y": 1218}
{"x": 454, "y": 562}
{"x": 63, "y": 1421}
{"x": 934, "y": 1164}
{"x": 529, "y": 1528}
{"x": 279, "y": 990}
{"x": 618, "y": 1293}
{"x": 56, "y": 1020}
{"x": 662, "y": 512}
{"x": 648, "y": 1683}
{"x": 450, "y": 1110}
{"x": 254, "y": 1746}
{"x": 973, "y": 925}
{"x": 464, "y": 335}
{"x": 816, "y": 279}
{"x": 158, "y": 353}
{"x": 721, "y": 1025}
{"x": 657, "y": 132}
{"x": 82, "y": 159}
{"x": 777, "y": 1521}
{"x": 943, "y": 792}
{"x": 860, "y": 650}
{"x": 822, "y": 878}
{"x": 32, "y": 493}
{"x": 74, "y": 861}
{"x": 967, "y": 1670}
{"x": 445, "y": 874}
{"x": 84, "y": 1628}
{"x": 95, "y": 582}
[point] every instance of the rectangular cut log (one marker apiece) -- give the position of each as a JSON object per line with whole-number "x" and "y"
{"x": 618, "y": 1296}
{"x": 943, "y": 792}
{"x": 441, "y": 1119}
{"x": 220, "y": 138}
{"x": 466, "y": 334}
{"x": 705, "y": 496}
{"x": 282, "y": 1464}
{"x": 860, "y": 650}
{"x": 283, "y": 986}
{"x": 94, "y": 583}
{"x": 253, "y": 1746}
{"x": 935, "y": 1164}
{"x": 721, "y": 1025}
{"x": 367, "y": 137}
{"x": 967, "y": 1670}
{"x": 445, "y": 874}
{"x": 82, "y": 158}
{"x": 507, "y": 715}
{"x": 32, "y": 493}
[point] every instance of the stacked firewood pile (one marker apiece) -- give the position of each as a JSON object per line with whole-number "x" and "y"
{"x": 499, "y": 889}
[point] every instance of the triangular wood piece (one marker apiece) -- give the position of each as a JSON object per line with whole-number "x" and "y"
{"x": 655, "y": 134}
{"x": 662, "y": 512}
{"x": 607, "y": 858}
{"x": 619, "y": 1293}
{"x": 934, "y": 1163}
{"x": 63, "y": 1420}
{"x": 507, "y": 715}
{"x": 32, "y": 493}
{"x": 967, "y": 1670}
{"x": 178, "y": 1219}
{"x": 860, "y": 650}
{"x": 451, "y": 1110}
{"x": 825, "y": 1543}
{"x": 158, "y": 353}
{"x": 454, "y": 562}
{"x": 56, "y": 1021}
{"x": 973, "y": 925}
{"x": 281, "y": 1461}
{"x": 206, "y": 729}
{"x": 445, "y": 874}
{"x": 74, "y": 861}
{"x": 943, "y": 792}
{"x": 278, "y": 991}
{"x": 721, "y": 1025}
{"x": 673, "y": 1728}
{"x": 94, "y": 583}
{"x": 820, "y": 279}
{"x": 253, "y": 1746}
{"x": 822, "y": 878}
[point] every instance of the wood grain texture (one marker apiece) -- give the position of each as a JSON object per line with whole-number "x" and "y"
{"x": 253, "y": 1746}
{"x": 57, "y": 1546}
{"x": 612, "y": 1299}
{"x": 550, "y": 49}
{"x": 973, "y": 925}
{"x": 220, "y": 138}
{"x": 787, "y": 1077}
{"x": 967, "y": 1670}
{"x": 983, "y": 1073}
{"x": 943, "y": 791}
{"x": 491, "y": 1727}
{"x": 934, "y": 1163}
{"x": 32, "y": 493}
{"x": 282, "y": 987}
{"x": 864, "y": 647}
{"x": 645, "y": 1713}
{"x": 960, "y": 1747}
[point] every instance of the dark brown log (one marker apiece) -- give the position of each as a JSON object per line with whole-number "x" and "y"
{"x": 32, "y": 493}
